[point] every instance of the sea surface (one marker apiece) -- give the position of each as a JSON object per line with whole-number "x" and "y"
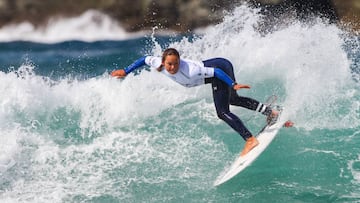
{"x": 71, "y": 133}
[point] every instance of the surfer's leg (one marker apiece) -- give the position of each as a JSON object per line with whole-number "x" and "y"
{"x": 249, "y": 103}
{"x": 221, "y": 94}
{"x": 231, "y": 119}
{"x": 221, "y": 100}
{"x": 236, "y": 100}
{"x": 252, "y": 104}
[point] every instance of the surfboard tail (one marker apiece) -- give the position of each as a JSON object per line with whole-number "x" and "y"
{"x": 265, "y": 137}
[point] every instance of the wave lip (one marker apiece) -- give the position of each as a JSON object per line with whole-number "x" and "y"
{"x": 91, "y": 26}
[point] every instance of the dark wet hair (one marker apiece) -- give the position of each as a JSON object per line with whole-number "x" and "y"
{"x": 167, "y": 52}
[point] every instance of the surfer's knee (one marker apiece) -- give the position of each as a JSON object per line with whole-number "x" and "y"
{"x": 228, "y": 117}
{"x": 222, "y": 115}
{"x": 233, "y": 121}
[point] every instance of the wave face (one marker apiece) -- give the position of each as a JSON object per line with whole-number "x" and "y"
{"x": 70, "y": 133}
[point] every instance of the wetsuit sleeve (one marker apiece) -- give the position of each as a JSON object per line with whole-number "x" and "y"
{"x": 137, "y": 64}
{"x": 220, "y": 74}
{"x": 152, "y": 61}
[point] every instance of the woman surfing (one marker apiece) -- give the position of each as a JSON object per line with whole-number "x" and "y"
{"x": 217, "y": 71}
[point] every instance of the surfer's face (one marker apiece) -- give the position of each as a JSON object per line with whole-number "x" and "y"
{"x": 171, "y": 64}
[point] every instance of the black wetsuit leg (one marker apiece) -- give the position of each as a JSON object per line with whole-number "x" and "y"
{"x": 222, "y": 95}
{"x": 235, "y": 99}
{"x": 249, "y": 103}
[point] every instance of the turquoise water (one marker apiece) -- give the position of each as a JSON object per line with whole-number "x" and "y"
{"x": 70, "y": 133}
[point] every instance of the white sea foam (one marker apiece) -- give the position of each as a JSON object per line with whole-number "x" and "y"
{"x": 8, "y": 150}
{"x": 90, "y": 26}
{"x": 40, "y": 112}
{"x": 307, "y": 62}
{"x": 354, "y": 166}
{"x": 101, "y": 101}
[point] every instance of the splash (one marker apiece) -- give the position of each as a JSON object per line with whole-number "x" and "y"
{"x": 306, "y": 63}
{"x": 101, "y": 127}
{"x": 95, "y": 104}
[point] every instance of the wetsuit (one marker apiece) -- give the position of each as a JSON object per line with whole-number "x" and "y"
{"x": 217, "y": 71}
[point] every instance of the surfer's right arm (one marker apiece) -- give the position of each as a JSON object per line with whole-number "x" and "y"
{"x": 123, "y": 72}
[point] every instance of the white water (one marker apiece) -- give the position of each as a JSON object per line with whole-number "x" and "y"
{"x": 90, "y": 26}
{"x": 308, "y": 61}
{"x": 30, "y": 105}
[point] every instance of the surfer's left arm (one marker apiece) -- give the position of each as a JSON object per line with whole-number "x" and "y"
{"x": 123, "y": 72}
{"x": 220, "y": 74}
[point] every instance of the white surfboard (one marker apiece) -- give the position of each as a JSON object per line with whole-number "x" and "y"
{"x": 264, "y": 137}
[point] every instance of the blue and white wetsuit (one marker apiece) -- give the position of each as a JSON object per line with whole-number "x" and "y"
{"x": 217, "y": 71}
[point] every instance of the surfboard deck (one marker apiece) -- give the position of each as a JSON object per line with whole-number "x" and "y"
{"x": 265, "y": 137}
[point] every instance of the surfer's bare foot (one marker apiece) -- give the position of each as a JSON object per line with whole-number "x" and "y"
{"x": 288, "y": 124}
{"x": 274, "y": 114}
{"x": 249, "y": 145}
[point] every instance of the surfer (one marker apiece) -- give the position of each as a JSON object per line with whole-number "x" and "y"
{"x": 217, "y": 71}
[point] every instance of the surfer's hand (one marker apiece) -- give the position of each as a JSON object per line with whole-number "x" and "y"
{"x": 288, "y": 124}
{"x": 118, "y": 73}
{"x": 240, "y": 86}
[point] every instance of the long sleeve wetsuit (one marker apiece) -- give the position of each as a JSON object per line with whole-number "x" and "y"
{"x": 217, "y": 71}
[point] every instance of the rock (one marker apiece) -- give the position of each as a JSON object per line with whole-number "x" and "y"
{"x": 349, "y": 13}
{"x": 181, "y": 15}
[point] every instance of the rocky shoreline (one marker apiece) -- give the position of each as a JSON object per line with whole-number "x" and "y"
{"x": 180, "y": 15}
